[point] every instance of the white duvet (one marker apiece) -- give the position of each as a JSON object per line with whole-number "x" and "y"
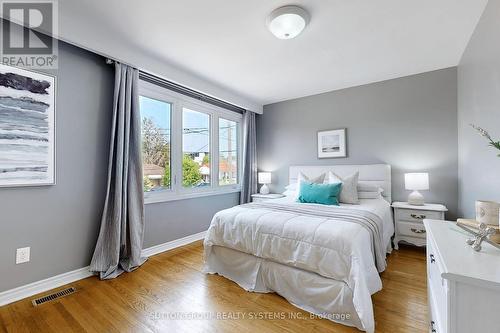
{"x": 330, "y": 247}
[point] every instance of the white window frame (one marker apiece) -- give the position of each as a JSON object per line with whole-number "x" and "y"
{"x": 178, "y": 102}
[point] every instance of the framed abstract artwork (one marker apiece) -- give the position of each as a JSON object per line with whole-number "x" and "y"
{"x": 27, "y": 128}
{"x": 332, "y": 143}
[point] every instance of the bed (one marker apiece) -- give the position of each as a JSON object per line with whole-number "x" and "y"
{"x": 323, "y": 259}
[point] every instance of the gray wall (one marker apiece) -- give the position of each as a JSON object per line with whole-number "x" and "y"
{"x": 60, "y": 223}
{"x": 408, "y": 122}
{"x": 479, "y": 103}
{"x": 176, "y": 219}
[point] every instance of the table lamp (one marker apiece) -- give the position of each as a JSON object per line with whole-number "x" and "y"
{"x": 264, "y": 178}
{"x": 416, "y": 182}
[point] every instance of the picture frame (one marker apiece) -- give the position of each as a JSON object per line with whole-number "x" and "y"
{"x": 332, "y": 143}
{"x": 27, "y": 127}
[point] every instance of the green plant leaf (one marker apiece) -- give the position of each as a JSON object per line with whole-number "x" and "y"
{"x": 495, "y": 144}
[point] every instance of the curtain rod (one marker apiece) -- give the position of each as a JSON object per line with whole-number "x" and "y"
{"x": 151, "y": 78}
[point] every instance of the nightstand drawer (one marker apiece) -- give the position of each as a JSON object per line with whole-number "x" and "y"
{"x": 410, "y": 229}
{"x": 414, "y": 215}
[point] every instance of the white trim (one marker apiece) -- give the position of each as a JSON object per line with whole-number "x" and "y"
{"x": 37, "y": 287}
{"x": 153, "y": 250}
{"x": 28, "y": 290}
{"x": 166, "y": 196}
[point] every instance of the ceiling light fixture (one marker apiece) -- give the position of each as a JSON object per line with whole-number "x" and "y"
{"x": 287, "y": 22}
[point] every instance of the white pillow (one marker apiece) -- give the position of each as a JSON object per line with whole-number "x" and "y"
{"x": 369, "y": 195}
{"x": 349, "y": 190}
{"x": 367, "y": 187}
{"x": 289, "y": 193}
{"x": 303, "y": 178}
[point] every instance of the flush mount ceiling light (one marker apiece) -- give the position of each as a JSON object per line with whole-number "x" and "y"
{"x": 287, "y": 22}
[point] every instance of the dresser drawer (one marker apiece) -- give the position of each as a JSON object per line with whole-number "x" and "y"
{"x": 434, "y": 320}
{"x": 410, "y": 229}
{"x": 411, "y": 215}
{"x": 438, "y": 290}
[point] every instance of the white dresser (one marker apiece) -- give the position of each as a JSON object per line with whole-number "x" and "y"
{"x": 463, "y": 285}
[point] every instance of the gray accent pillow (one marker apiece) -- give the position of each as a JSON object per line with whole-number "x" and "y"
{"x": 349, "y": 191}
{"x": 303, "y": 178}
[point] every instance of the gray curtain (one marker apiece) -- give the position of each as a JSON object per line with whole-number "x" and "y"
{"x": 120, "y": 239}
{"x": 249, "y": 179}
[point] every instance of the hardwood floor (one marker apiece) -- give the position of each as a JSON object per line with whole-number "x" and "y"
{"x": 172, "y": 283}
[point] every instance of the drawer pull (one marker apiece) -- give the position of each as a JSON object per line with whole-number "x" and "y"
{"x": 417, "y": 216}
{"x": 417, "y": 231}
{"x": 432, "y": 258}
{"x": 433, "y": 330}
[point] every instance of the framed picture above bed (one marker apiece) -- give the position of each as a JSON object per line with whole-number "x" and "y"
{"x": 332, "y": 143}
{"x": 27, "y": 127}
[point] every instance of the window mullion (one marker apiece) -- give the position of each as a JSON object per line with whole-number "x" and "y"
{"x": 215, "y": 147}
{"x": 177, "y": 147}
{"x": 239, "y": 162}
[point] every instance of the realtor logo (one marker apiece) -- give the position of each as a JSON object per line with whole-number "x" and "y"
{"x": 27, "y": 28}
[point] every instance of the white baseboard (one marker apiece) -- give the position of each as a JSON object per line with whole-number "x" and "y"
{"x": 37, "y": 287}
{"x": 151, "y": 251}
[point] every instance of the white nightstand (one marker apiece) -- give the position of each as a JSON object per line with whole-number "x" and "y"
{"x": 409, "y": 219}
{"x": 264, "y": 197}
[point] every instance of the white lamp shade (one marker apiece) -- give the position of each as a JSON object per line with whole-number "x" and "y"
{"x": 264, "y": 178}
{"x": 417, "y": 181}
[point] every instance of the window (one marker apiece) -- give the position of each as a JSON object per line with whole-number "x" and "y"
{"x": 228, "y": 152}
{"x": 189, "y": 148}
{"x": 155, "y": 117}
{"x": 195, "y": 148}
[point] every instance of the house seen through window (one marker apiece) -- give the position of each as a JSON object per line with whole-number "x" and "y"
{"x": 156, "y": 117}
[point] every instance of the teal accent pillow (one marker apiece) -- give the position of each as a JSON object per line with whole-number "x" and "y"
{"x": 325, "y": 194}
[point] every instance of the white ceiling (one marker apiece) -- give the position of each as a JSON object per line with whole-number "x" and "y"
{"x": 347, "y": 43}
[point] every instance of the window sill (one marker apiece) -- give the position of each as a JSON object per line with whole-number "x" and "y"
{"x": 151, "y": 198}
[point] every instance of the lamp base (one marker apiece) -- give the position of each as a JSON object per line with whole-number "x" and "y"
{"x": 264, "y": 189}
{"x": 416, "y": 199}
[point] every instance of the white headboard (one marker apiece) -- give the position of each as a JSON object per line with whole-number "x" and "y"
{"x": 376, "y": 174}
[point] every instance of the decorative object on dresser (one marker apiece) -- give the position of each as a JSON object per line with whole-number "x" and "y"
{"x": 265, "y": 197}
{"x": 481, "y": 235}
{"x": 463, "y": 285}
{"x": 487, "y": 212}
{"x": 416, "y": 182}
{"x": 332, "y": 143}
{"x": 408, "y": 221}
{"x": 474, "y": 225}
{"x": 483, "y": 132}
{"x": 264, "y": 178}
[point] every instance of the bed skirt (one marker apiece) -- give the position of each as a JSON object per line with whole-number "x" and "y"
{"x": 308, "y": 291}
